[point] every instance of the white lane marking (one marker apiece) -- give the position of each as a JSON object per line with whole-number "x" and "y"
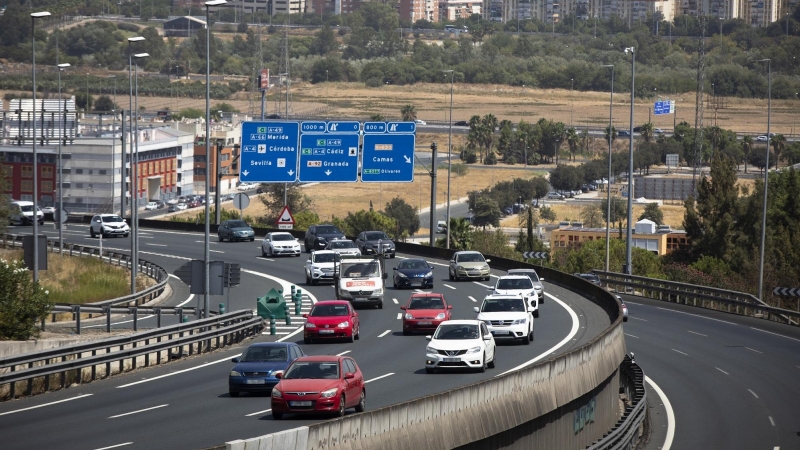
{"x": 115, "y": 446}
{"x": 484, "y": 285}
{"x": 287, "y": 287}
{"x": 394, "y": 300}
{"x": 699, "y": 334}
{"x": 226, "y": 359}
{"x": 399, "y": 316}
{"x": 567, "y": 339}
{"x": 636, "y": 318}
{"x": 448, "y": 286}
{"x": 262, "y": 258}
{"x": 726, "y": 373}
{"x": 754, "y": 350}
{"x": 378, "y": 378}
{"x": 258, "y": 413}
{"x": 419, "y": 291}
{"x": 696, "y": 315}
{"x": 771, "y": 421}
{"x": 471, "y": 298}
{"x": 45, "y": 404}
{"x": 626, "y": 334}
{"x": 343, "y": 353}
{"x": 384, "y": 333}
{"x": 185, "y": 301}
{"x": 634, "y": 303}
{"x": 139, "y": 411}
{"x": 670, "y": 414}
{"x": 754, "y": 394}
{"x": 156, "y": 245}
{"x": 217, "y": 251}
{"x": 680, "y": 352}
{"x": 776, "y": 334}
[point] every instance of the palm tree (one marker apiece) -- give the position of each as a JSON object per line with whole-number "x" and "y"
{"x": 560, "y": 135}
{"x": 747, "y": 146}
{"x": 572, "y": 140}
{"x": 409, "y": 113}
{"x": 778, "y": 146}
{"x": 647, "y": 132}
{"x": 613, "y": 133}
{"x": 460, "y": 233}
{"x": 377, "y": 118}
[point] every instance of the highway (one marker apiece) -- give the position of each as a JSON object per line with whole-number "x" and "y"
{"x": 186, "y": 404}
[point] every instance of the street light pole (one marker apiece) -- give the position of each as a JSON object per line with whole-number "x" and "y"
{"x": 608, "y": 180}
{"x": 766, "y": 179}
{"x": 628, "y": 244}
{"x": 113, "y": 140}
{"x": 61, "y": 67}
{"x": 571, "y": 100}
{"x": 449, "y": 157}
{"x": 35, "y": 215}
{"x": 135, "y": 207}
{"x": 132, "y": 164}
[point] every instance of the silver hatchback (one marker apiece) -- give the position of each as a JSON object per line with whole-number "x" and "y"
{"x": 538, "y": 286}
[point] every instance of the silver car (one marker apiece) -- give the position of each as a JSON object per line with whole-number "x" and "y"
{"x": 468, "y": 264}
{"x": 537, "y": 282}
{"x": 109, "y": 225}
{"x": 280, "y": 243}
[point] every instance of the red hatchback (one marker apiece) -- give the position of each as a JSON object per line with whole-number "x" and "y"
{"x": 424, "y": 312}
{"x": 319, "y": 384}
{"x": 331, "y": 319}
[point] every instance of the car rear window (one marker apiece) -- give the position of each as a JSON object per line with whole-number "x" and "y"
{"x": 514, "y": 283}
{"x": 319, "y": 370}
{"x": 328, "y": 230}
{"x": 329, "y": 310}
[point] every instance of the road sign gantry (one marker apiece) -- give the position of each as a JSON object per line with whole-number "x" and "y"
{"x": 330, "y": 155}
{"x": 269, "y": 152}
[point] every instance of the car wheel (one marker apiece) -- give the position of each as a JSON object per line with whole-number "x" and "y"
{"x": 406, "y": 333}
{"x": 352, "y": 337}
{"x": 307, "y": 340}
{"x": 233, "y": 394}
{"x": 450, "y": 274}
{"x": 271, "y": 252}
{"x": 92, "y": 233}
{"x": 277, "y": 415}
{"x": 393, "y": 255}
{"x": 219, "y": 236}
{"x": 252, "y": 239}
{"x": 126, "y": 235}
{"x": 527, "y": 339}
{"x": 624, "y": 319}
{"x": 264, "y": 255}
{"x": 308, "y": 280}
{"x": 362, "y": 402}
{"x": 308, "y": 247}
{"x": 536, "y": 314}
{"x": 358, "y": 333}
{"x": 494, "y": 358}
{"x": 429, "y": 370}
{"x": 482, "y": 369}
{"x": 340, "y": 413}
{"x": 531, "y": 336}
{"x": 380, "y": 305}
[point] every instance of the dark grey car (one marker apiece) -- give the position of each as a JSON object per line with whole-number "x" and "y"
{"x": 235, "y": 230}
{"x": 317, "y": 236}
{"x": 373, "y": 242}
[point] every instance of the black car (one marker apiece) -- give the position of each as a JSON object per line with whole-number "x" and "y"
{"x": 413, "y": 273}
{"x": 624, "y": 133}
{"x": 274, "y": 116}
{"x": 373, "y": 242}
{"x": 590, "y": 277}
{"x": 461, "y": 123}
{"x": 317, "y": 236}
{"x": 255, "y": 369}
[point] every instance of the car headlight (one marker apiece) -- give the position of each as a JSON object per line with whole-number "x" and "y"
{"x": 329, "y": 393}
{"x": 343, "y": 325}
{"x": 345, "y": 294}
{"x": 235, "y": 373}
{"x": 488, "y": 322}
{"x": 519, "y": 321}
{"x": 310, "y": 325}
{"x": 402, "y": 275}
{"x": 429, "y": 275}
{"x": 474, "y": 350}
{"x": 440, "y": 316}
{"x": 431, "y": 350}
{"x": 409, "y": 316}
{"x": 276, "y": 393}
{"x": 378, "y": 291}
{"x": 486, "y": 267}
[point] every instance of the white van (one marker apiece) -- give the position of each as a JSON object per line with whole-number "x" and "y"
{"x": 22, "y": 213}
{"x": 441, "y": 226}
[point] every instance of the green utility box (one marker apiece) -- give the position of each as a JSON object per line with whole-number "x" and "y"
{"x": 272, "y": 303}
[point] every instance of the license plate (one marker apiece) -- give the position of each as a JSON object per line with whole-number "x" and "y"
{"x": 452, "y": 360}
{"x": 302, "y": 403}
{"x": 500, "y": 332}
{"x": 360, "y": 299}
{"x": 423, "y": 323}
{"x": 256, "y": 381}
{"x": 325, "y": 331}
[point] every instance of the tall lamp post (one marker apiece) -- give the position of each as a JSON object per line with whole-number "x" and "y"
{"x": 34, "y": 16}
{"x": 608, "y": 180}
{"x": 114, "y": 141}
{"x": 628, "y": 243}
{"x": 449, "y": 157}
{"x": 571, "y": 101}
{"x": 766, "y": 179}
{"x": 135, "y": 204}
{"x": 206, "y": 252}
{"x": 61, "y": 68}
{"x": 132, "y": 164}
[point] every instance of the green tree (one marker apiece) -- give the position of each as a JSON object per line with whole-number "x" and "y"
{"x": 572, "y": 140}
{"x": 778, "y": 146}
{"x": 592, "y": 216}
{"x": 619, "y": 209}
{"x": 540, "y": 187}
{"x": 547, "y": 214}
{"x": 23, "y": 303}
{"x": 363, "y": 220}
{"x": 652, "y": 212}
{"x": 104, "y": 103}
{"x": 409, "y": 113}
{"x": 405, "y": 216}
{"x": 487, "y": 212}
{"x": 747, "y": 146}
{"x": 494, "y": 242}
{"x": 324, "y": 42}
{"x": 565, "y": 178}
{"x": 460, "y": 233}
{"x": 273, "y": 196}
{"x": 612, "y": 132}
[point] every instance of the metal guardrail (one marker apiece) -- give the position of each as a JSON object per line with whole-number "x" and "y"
{"x": 226, "y": 329}
{"x": 625, "y": 434}
{"x": 700, "y": 296}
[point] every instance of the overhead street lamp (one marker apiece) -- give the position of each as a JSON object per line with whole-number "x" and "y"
{"x": 206, "y": 252}
{"x": 135, "y": 224}
{"x": 60, "y": 211}
{"x": 132, "y": 172}
{"x": 449, "y": 158}
{"x": 608, "y": 180}
{"x": 571, "y": 101}
{"x": 114, "y": 141}
{"x": 34, "y": 16}
{"x": 629, "y": 242}
{"x": 766, "y": 179}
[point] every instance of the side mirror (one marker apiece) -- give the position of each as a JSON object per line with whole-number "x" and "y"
{"x": 475, "y": 308}
{"x": 487, "y": 337}
{"x": 488, "y": 261}
{"x": 430, "y": 267}
{"x": 305, "y": 315}
{"x": 394, "y": 268}
{"x": 427, "y": 338}
{"x": 541, "y": 279}
{"x": 235, "y": 360}
{"x": 349, "y": 376}
{"x": 278, "y": 375}
{"x": 449, "y": 306}
{"x": 403, "y": 308}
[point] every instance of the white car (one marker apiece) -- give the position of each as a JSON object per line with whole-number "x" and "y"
{"x": 321, "y": 265}
{"x": 151, "y": 206}
{"x": 518, "y": 285}
{"x": 181, "y": 206}
{"x": 108, "y": 225}
{"x": 280, "y": 243}
{"x": 343, "y": 247}
{"x": 420, "y": 122}
{"x": 49, "y": 209}
{"x": 172, "y": 201}
{"x": 246, "y": 186}
{"x": 624, "y": 308}
{"x": 460, "y": 344}
{"x": 507, "y": 317}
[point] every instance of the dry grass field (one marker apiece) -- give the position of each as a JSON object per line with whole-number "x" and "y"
{"x": 673, "y": 214}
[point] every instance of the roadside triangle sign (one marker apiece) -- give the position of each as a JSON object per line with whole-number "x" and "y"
{"x": 285, "y": 217}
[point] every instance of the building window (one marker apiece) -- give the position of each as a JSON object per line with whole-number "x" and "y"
{"x": 27, "y": 171}
{"x": 47, "y": 186}
{"x": 47, "y": 171}
{"x": 27, "y": 186}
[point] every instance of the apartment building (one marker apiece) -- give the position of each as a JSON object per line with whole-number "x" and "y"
{"x": 415, "y": 10}
{"x": 451, "y": 10}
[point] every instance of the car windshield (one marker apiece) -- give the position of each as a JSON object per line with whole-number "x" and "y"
{"x": 503, "y": 304}
{"x": 370, "y": 269}
{"x": 319, "y": 370}
{"x": 342, "y": 244}
{"x": 454, "y": 332}
{"x": 328, "y": 230}
{"x": 376, "y": 236}
{"x": 413, "y": 264}
{"x": 262, "y": 354}
{"x": 282, "y": 237}
{"x": 426, "y": 303}
{"x": 112, "y": 219}
{"x": 325, "y": 258}
{"x": 530, "y": 274}
{"x": 26, "y": 208}
{"x": 514, "y": 283}
{"x": 469, "y": 257}
{"x": 236, "y": 224}
{"x": 329, "y": 310}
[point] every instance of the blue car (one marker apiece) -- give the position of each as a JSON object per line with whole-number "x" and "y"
{"x": 413, "y": 273}
{"x": 255, "y": 370}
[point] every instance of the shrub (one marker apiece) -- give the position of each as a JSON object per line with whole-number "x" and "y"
{"x": 22, "y": 302}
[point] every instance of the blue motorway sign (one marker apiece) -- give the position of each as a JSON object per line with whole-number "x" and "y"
{"x": 389, "y": 157}
{"x": 664, "y": 107}
{"x": 269, "y": 152}
{"x": 330, "y": 157}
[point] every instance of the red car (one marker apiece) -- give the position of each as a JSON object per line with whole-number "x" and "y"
{"x": 317, "y": 384}
{"x": 331, "y": 319}
{"x": 424, "y": 312}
